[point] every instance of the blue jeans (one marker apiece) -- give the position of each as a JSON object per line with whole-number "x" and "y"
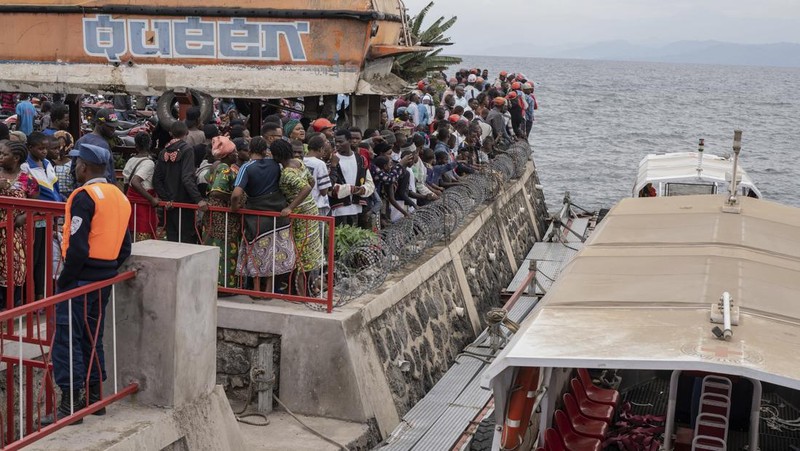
{"x": 88, "y": 318}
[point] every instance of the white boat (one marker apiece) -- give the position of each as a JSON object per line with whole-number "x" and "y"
{"x": 687, "y": 173}
{"x": 689, "y": 305}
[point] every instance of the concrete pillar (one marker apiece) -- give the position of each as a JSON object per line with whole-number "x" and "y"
{"x": 366, "y": 111}
{"x": 166, "y": 323}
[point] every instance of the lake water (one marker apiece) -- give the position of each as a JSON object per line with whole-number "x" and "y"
{"x": 598, "y": 119}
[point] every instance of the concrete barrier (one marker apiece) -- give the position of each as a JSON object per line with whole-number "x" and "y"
{"x": 166, "y": 342}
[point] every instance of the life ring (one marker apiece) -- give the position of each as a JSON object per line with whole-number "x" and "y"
{"x": 167, "y": 101}
{"x": 520, "y": 407}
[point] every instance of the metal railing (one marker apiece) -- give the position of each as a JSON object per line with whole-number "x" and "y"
{"x": 27, "y": 326}
{"x": 32, "y": 396}
{"x": 293, "y": 275}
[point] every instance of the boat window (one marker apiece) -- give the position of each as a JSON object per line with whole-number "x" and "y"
{"x": 690, "y": 189}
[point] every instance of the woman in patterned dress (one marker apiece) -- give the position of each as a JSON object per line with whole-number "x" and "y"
{"x": 13, "y": 183}
{"x": 296, "y": 183}
{"x": 223, "y": 230}
{"x": 266, "y": 253}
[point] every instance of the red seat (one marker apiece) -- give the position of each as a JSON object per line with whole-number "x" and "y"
{"x": 595, "y": 393}
{"x": 552, "y": 441}
{"x": 582, "y": 424}
{"x": 572, "y": 440}
{"x": 591, "y": 409}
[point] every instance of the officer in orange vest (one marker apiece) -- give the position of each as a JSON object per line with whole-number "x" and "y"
{"x": 95, "y": 243}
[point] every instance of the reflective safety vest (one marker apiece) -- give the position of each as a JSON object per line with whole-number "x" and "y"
{"x": 112, "y": 210}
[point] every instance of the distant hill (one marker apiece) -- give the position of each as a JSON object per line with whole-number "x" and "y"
{"x": 782, "y": 54}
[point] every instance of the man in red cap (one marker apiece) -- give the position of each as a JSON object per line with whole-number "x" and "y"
{"x": 495, "y": 119}
{"x": 324, "y": 126}
{"x": 498, "y": 83}
{"x": 517, "y": 111}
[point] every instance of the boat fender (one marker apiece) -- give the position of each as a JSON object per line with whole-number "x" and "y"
{"x": 520, "y": 407}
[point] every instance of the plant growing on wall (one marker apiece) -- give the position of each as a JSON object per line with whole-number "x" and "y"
{"x": 349, "y": 237}
{"x": 418, "y": 65}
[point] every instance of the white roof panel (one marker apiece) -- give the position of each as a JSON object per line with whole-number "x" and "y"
{"x": 639, "y": 294}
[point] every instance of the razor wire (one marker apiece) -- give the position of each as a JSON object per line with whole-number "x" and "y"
{"x": 366, "y": 265}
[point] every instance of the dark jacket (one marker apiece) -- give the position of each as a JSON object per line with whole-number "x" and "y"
{"x": 174, "y": 176}
{"x": 337, "y": 177}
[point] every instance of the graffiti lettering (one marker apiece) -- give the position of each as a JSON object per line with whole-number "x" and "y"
{"x": 193, "y": 37}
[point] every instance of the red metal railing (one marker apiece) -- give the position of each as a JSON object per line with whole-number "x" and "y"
{"x": 320, "y": 292}
{"x": 314, "y": 285}
{"x": 23, "y": 424}
{"x": 29, "y": 324}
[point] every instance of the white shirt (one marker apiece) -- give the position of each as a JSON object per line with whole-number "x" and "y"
{"x": 471, "y": 92}
{"x": 412, "y": 107}
{"x": 389, "y": 104}
{"x": 462, "y": 102}
{"x": 322, "y": 180}
{"x": 146, "y": 167}
{"x": 486, "y": 129}
{"x": 349, "y": 169}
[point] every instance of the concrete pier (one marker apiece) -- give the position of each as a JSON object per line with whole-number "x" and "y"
{"x": 371, "y": 360}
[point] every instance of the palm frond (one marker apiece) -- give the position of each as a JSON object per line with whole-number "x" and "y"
{"x": 415, "y": 66}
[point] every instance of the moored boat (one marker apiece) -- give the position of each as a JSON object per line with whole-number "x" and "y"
{"x": 674, "y": 328}
{"x": 688, "y": 173}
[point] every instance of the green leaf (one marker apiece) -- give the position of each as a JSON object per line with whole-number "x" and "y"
{"x": 414, "y": 66}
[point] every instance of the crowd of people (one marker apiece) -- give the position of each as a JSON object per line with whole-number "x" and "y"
{"x": 427, "y": 140}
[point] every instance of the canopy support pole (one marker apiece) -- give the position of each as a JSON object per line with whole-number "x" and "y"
{"x": 671, "y": 404}
{"x": 755, "y": 414}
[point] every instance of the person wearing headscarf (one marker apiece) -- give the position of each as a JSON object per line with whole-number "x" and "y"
{"x": 293, "y": 130}
{"x": 223, "y": 229}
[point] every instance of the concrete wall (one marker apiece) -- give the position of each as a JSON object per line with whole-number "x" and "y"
{"x": 425, "y": 330}
{"x": 236, "y": 352}
{"x": 345, "y": 364}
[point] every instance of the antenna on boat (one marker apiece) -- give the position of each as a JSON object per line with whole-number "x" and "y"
{"x": 732, "y": 206}
{"x": 700, "y": 148}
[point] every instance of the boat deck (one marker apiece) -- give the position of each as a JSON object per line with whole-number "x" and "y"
{"x": 438, "y": 420}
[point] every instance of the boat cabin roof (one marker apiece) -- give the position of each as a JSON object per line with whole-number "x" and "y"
{"x": 681, "y": 167}
{"x": 640, "y": 293}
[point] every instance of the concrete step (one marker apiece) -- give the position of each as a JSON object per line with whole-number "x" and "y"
{"x": 284, "y": 432}
{"x": 205, "y": 424}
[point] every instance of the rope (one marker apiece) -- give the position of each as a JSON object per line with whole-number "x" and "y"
{"x": 495, "y": 318}
{"x": 254, "y": 372}
{"x": 241, "y": 415}
{"x": 499, "y": 316}
{"x": 314, "y": 431}
{"x": 772, "y": 419}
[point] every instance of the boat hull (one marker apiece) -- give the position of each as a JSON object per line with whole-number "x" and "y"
{"x": 253, "y": 49}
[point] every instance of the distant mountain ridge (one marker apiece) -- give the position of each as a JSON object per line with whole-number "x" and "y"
{"x": 781, "y": 54}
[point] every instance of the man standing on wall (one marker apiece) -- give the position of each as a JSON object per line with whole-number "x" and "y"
{"x": 96, "y": 242}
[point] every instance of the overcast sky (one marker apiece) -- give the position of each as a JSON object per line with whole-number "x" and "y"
{"x": 485, "y": 24}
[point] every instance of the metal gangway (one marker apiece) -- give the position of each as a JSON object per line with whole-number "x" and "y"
{"x": 450, "y": 412}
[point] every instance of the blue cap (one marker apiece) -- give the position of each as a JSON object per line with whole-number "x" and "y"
{"x": 91, "y": 154}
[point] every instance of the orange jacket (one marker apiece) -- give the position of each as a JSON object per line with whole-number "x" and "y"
{"x": 109, "y": 223}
